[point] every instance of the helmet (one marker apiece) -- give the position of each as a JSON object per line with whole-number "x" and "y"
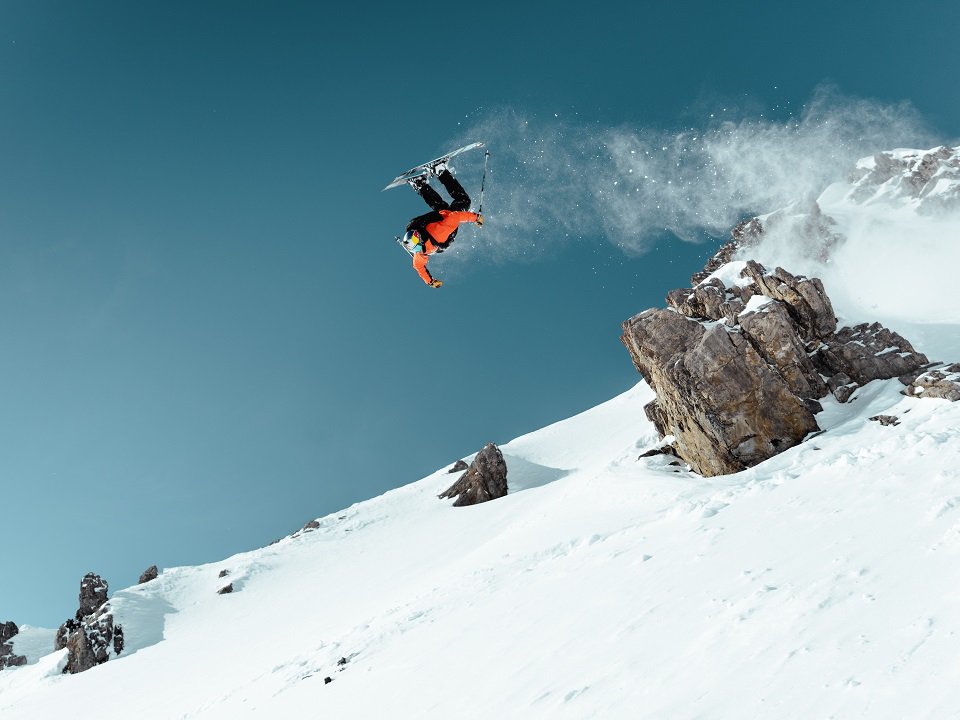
{"x": 412, "y": 241}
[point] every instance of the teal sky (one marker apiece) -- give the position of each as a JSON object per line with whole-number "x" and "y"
{"x": 207, "y": 334}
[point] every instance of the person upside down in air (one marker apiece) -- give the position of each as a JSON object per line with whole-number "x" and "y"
{"x": 434, "y": 232}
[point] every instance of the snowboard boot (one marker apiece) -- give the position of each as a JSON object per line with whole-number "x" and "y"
{"x": 418, "y": 183}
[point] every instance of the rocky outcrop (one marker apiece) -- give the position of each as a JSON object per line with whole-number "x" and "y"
{"x": 941, "y": 383}
{"x": 739, "y": 371}
{"x": 8, "y": 658}
{"x": 928, "y": 178}
{"x": 485, "y": 479}
{"x": 90, "y": 635}
{"x": 702, "y": 377}
{"x": 744, "y": 235}
{"x": 151, "y": 573}
{"x": 458, "y": 466}
{"x": 93, "y": 594}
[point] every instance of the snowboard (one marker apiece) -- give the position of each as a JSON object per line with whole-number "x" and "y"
{"x": 413, "y": 172}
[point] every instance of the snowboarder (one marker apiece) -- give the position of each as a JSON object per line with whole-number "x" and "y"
{"x": 435, "y": 231}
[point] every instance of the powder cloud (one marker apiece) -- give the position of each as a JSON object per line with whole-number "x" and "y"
{"x": 551, "y": 181}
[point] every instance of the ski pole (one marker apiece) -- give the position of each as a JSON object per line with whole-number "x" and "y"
{"x": 486, "y": 154}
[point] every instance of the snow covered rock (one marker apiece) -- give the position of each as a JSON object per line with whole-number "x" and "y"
{"x": 8, "y": 658}
{"x": 485, "y": 479}
{"x": 928, "y": 180}
{"x": 942, "y": 383}
{"x": 89, "y": 635}
{"x": 93, "y": 594}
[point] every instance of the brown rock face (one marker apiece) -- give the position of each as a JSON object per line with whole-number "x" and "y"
{"x": 867, "y": 352}
{"x": 485, "y": 479}
{"x": 714, "y": 392}
{"x": 738, "y": 377}
{"x": 151, "y": 573}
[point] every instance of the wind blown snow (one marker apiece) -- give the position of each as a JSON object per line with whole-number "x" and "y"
{"x": 552, "y": 180}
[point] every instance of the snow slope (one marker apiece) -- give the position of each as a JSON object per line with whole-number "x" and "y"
{"x": 822, "y": 583}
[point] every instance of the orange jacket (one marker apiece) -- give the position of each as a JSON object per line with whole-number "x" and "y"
{"x": 439, "y": 232}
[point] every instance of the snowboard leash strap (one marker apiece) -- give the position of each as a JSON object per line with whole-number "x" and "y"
{"x": 483, "y": 181}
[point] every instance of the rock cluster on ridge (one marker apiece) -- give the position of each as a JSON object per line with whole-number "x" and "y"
{"x": 738, "y": 371}
{"x": 8, "y": 658}
{"x": 90, "y": 635}
{"x": 485, "y": 479}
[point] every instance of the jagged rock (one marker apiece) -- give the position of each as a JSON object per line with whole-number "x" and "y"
{"x": 8, "y": 658}
{"x": 93, "y": 594}
{"x": 704, "y": 301}
{"x": 774, "y": 335}
{"x": 312, "y": 525}
{"x": 485, "y": 479}
{"x": 151, "y": 573}
{"x": 942, "y": 383}
{"x": 8, "y": 631}
{"x": 886, "y": 419}
{"x": 226, "y": 589}
{"x": 88, "y": 642}
{"x": 744, "y": 235}
{"x": 89, "y": 635}
{"x": 867, "y": 352}
{"x": 223, "y": 573}
{"x": 458, "y": 466}
{"x": 714, "y": 392}
{"x": 737, "y": 392}
{"x": 80, "y": 655}
{"x": 928, "y": 177}
{"x": 804, "y": 298}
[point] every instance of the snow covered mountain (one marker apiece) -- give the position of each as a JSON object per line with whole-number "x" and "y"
{"x": 819, "y": 583}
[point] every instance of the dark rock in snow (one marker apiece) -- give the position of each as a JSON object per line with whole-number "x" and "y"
{"x": 151, "y": 573}
{"x": 226, "y": 589}
{"x": 118, "y": 639}
{"x": 8, "y": 658}
{"x": 485, "y": 479}
{"x": 886, "y": 419}
{"x": 312, "y": 525}
{"x": 88, "y": 642}
{"x": 458, "y": 466}
{"x": 93, "y": 594}
{"x": 223, "y": 573}
{"x": 89, "y": 635}
{"x": 8, "y": 631}
{"x": 665, "y": 450}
